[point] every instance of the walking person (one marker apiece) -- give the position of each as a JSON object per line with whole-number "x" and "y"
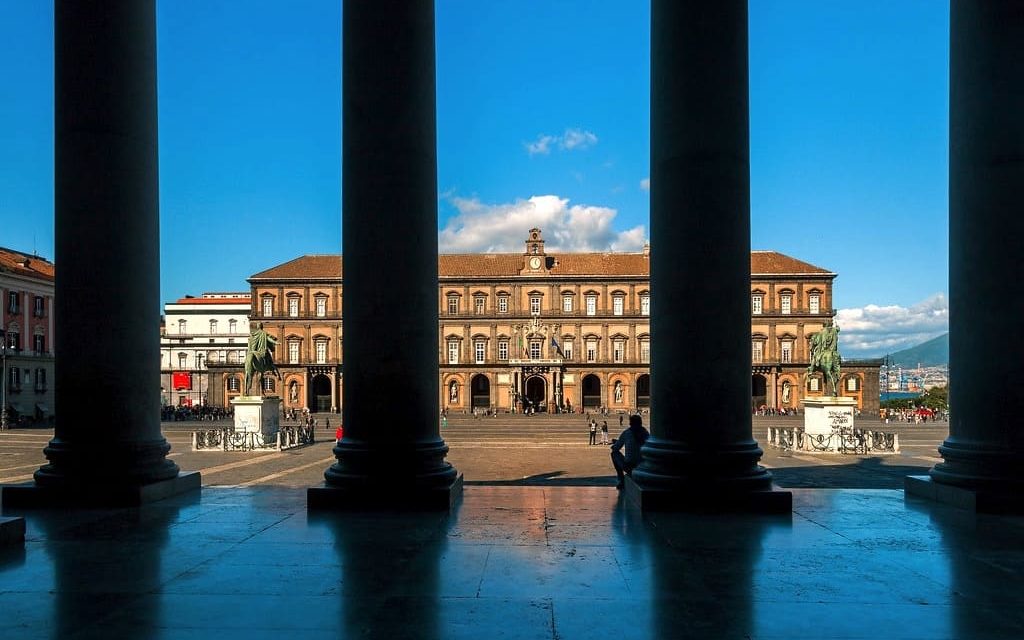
{"x": 604, "y": 432}
{"x": 632, "y": 439}
{"x": 593, "y": 432}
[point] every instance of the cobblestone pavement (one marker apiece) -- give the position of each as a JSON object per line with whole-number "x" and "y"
{"x": 530, "y": 450}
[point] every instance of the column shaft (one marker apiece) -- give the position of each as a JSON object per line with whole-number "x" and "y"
{"x": 389, "y": 222}
{"x": 107, "y": 248}
{"x": 700, "y": 220}
{"x": 985, "y": 447}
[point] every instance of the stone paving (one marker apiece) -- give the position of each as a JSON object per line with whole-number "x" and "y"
{"x": 540, "y": 450}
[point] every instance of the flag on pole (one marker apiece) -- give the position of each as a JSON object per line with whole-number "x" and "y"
{"x": 558, "y": 349}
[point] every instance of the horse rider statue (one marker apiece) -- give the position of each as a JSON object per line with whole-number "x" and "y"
{"x": 259, "y": 357}
{"x": 825, "y": 356}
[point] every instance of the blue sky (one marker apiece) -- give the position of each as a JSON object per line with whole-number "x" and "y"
{"x": 542, "y": 120}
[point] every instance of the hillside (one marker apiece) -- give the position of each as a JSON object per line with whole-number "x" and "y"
{"x": 932, "y": 353}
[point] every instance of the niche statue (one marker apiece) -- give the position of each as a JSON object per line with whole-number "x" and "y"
{"x": 259, "y": 357}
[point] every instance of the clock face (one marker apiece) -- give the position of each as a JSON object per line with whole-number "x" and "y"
{"x": 535, "y": 263}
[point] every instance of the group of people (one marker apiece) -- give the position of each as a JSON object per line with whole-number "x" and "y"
{"x": 200, "y": 412}
{"x": 604, "y": 431}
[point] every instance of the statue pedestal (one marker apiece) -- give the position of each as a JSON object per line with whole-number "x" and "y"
{"x": 256, "y": 414}
{"x": 826, "y": 415}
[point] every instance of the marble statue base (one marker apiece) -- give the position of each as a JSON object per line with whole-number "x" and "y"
{"x": 826, "y": 415}
{"x": 257, "y": 414}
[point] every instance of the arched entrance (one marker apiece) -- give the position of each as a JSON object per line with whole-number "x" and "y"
{"x": 537, "y": 393}
{"x": 481, "y": 390}
{"x": 321, "y": 394}
{"x": 758, "y": 391}
{"x": 591, "y": 392}
{"x": 643, "y": 391}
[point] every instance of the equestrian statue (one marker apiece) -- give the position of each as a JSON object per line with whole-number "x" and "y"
{"x": 825, "y": 356}
{"x": 259, "y": 357}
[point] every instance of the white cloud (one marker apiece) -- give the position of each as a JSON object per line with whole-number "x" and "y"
{"x": 875, "y": 330}
{"x": 495, "y": 228}
{"x": 645, "y": 184}
{"x": 577, "y": 139}
{"x": 541, "y": 146}
{"x": 571, "y": 140}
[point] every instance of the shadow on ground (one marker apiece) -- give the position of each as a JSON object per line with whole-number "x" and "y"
{"x": 864, "y": 473}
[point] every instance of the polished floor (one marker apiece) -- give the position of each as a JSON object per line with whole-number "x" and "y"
{"x": 515, "y": 562}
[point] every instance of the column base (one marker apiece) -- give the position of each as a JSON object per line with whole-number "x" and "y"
{"x": 371, "y": 497}
{"x": 705, "y": 499}
{"x": 32, "y": 495}
{"x": 976, "y": 500}
{"x": 12, "y": 531}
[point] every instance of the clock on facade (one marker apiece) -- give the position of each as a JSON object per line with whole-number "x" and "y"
{"x": 535, "y": 263}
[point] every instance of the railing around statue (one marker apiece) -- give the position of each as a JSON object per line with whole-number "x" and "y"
{"x": 843, "y": 440}
{"x": 231, "y": 440}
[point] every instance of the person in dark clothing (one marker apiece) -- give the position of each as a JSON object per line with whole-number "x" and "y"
{"x": 632, "y": 439}
{"x": 593, "y": 432}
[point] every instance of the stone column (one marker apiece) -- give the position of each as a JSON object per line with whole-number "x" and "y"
{"x": 701, "y": 454}
{"x": 390, "y": 456}
{"x": 984, "y": 453}
{"x": 107, "y": 300}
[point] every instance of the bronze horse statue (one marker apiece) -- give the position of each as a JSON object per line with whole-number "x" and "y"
{"x": 259, "y": 357}
{"x": 825, "y": 356}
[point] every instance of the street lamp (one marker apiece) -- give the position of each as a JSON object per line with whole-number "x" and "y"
{"x": 3, "y": 383}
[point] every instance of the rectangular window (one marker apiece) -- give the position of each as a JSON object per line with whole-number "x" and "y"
{"x": 503, "y": 304}
{"x": 14, "y": 377}
{"x": 591, "y": 350}
{"x": 182, "y": 326}
{"x": 268, "y": 307}
{"x": 39, "y": 344}
{"x": 479, "y": 350}
{"x": 813, "y": 384}
{"x": 815, "y": 303}
{"x": 757, "y": 305}
{"x": 182, "y": 360}
{"x": 213, "y": 326}
{"x": 787, "y": 303}
{"x": 567, "y": 349}
{"x": 293, "y": 307}
{"x": 535, "y": 305}
{"x": 567, "y": 304}
{"x": 232, "y": 326}
{"x": 40, "y": 379}
{"x": 233, "y": 383}
{"x": 453, "y": 305}
{"x": 502, "y": 350}
{"x": 591, "y": 305}
{"x": 321, "y": 351}
{"x": 293, "y": 351}
{"x": 758, "y": 351}
{"x": 535, "y": 347}
{"x": 787, "y": 351}
{"x": 478, "y": 306}
{"x": 645, "y": 305}
{"x": 321, "y": 307}
{"x": 619, "y": 351}
{"x": 617, "y": 305}
{"x": 645, "y": 351}
{"x": 14, "y": 340}
{"x": 12, "y": 301}
{"x": 851, "y": 384}
{"x": 453, "y": 352}
{"x": 38, "y": 306}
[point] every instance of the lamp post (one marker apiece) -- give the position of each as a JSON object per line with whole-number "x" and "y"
{"x": 3, "y": 383}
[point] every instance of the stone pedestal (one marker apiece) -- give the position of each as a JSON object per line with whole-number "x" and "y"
{"x": 256, "y": 414}
{"x": 12, "y": 531}
{"x": 825, "y": 414}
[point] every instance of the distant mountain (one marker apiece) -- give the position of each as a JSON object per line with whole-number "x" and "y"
{"x": 927, "y": 354}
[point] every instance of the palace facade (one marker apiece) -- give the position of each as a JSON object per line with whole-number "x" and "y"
{"x": 544, "y": 331}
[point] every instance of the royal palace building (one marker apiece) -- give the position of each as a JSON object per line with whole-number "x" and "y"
{"x": 544, "y": 331}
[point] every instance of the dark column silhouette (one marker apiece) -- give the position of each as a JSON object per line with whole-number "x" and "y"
{"x": 984, "y": 453}
{"x": 702, "y": 453}
{"x": 392, "y": 453}
{"x": 107, "y": 302}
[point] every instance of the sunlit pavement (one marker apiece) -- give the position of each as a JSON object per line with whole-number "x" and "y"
{"x": 539, "y": 450}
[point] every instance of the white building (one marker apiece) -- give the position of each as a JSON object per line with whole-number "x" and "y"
{"x": 26, "y": 328}
{"x": 211, "y": 329}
